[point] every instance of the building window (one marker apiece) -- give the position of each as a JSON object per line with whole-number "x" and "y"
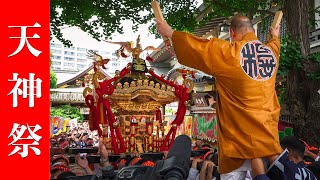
{"x": 105, "y": 53}
{"x": 114, "y": 54}
{"x": 81, "y": 55}
{"x": 69, "y": 64}
{"x": 69, "y": 48}
{"x": 81, "y": 66}
{"x": 81, "y": 49}
{"x": 56, "y": 45}
{"x": 82, "y": 60}
{"x": 68, "y": 59}
{"x": 55, "y": 51}
{"x": 56, "y": 57}
{"x": 55, "y": 63}
{"x": 68, "y": 53}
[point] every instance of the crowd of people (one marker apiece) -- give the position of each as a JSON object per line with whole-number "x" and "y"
{"x": 77, "y": 137}
{"x": 295, "y": 160}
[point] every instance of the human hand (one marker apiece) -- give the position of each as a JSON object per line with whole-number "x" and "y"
{"x": 275, "y": 31}
{"x": 122, "y": 155}
{"x": 82, "y": 161}
{"x": 103, "y": 154}
{"x": 210, "y": 170}
{"x": 203, "y": 172}
{"x": 308, "y": 153}
{"x": 103, "y": 150}
{"x": 164, "y": 29}
{"x": 195, "y": 163}
{"x": 165, "y": 154}
{"x": 205, "y": 164}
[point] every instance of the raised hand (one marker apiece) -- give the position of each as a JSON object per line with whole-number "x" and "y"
{"x": 275, "y": 31}
{"x": 164, "y": 29}
{"x": 82, "y": 161}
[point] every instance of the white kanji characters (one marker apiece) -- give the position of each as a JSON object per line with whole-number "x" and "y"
{"x": 17, "y": 133}
{"x": 24, "y": 40}
{"x": 30, "y": 88}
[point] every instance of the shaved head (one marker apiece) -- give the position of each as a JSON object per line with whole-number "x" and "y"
{"x": 241, "y": 24}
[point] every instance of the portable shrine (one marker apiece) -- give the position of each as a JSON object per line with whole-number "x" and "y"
{"x": 126, "y": 108}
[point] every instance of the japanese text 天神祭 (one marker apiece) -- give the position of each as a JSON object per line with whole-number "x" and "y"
{"x": 25, "y": 79}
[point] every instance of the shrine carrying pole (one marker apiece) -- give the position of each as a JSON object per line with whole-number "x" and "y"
{"x": 158, "y": 13}
{"x": 276, "y": 21}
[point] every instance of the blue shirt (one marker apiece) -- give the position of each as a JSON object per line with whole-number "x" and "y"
{"x": 284, "y": 169}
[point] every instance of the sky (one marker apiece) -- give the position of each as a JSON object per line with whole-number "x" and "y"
{"x": 82, "y": 39}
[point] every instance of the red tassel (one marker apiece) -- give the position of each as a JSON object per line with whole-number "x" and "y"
{"x": 83, "y": 84}
{"x": 148, "y": 58}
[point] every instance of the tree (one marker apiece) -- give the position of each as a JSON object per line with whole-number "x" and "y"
{"x": 101, "y": 18}
{"x": 303, "y": 81}
{"x": 53, "y": 79}
{"x": 53, "y": 76}
{"x": 67, "y": 111}
{"x": 301, "y": 69}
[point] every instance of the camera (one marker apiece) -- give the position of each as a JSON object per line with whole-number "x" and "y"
{"x": 175, "y": 167}
{"x": 199, "y": 153}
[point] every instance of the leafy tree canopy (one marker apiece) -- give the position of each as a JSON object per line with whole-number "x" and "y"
{"x": 53, "y": 79}
{"x": 67, "y": 111}
{"x": 101, "y": 18}
{"x": 53, "y": 76}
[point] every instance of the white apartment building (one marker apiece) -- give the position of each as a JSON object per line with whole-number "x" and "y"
{"x": 75, "y": 58}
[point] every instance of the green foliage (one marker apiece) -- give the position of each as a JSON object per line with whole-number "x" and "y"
{"x": 315, "y": 57}
{"x": 226, "y": 8}
{"x": 67, "y": 111}
{"x": 313, "y": 76}
{"x": 53, "y": 76}
{"x": 53, "y": 79}
{"x": 290, "y": 56}
{"x": 281, "y": 94}
{"x": 101, "y": 18}
{"x": 169, "y": 110}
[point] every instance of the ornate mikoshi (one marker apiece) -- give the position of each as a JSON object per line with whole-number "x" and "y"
{"x": 128, "y": 105}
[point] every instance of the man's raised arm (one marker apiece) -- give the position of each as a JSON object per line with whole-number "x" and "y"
{"x": 274, "y": 41}
{"x": 192, "y": 51}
